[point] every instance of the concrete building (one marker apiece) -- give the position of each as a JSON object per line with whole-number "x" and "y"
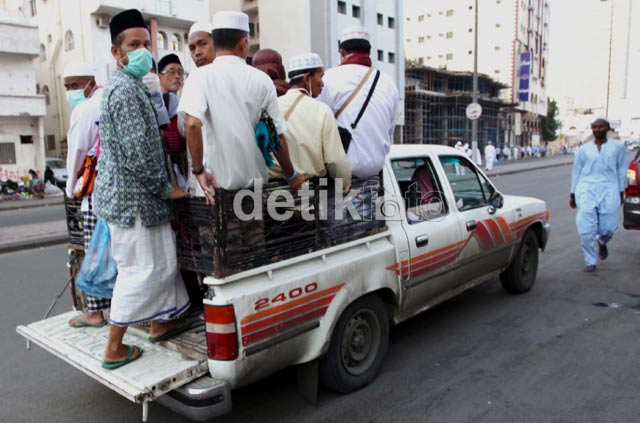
{"x": 597, "y": 76}
{"x": 298, "y": 26}
{"x": 512, "y": 49}
{"x": 22, "y": 108}
{"x": 436, "y": 100}
{"x": 78, "y": 30}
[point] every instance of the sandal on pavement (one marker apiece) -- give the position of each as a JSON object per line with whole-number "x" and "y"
{"x": 603, "y": 251}
{"x": 176, "y": 330}
{"x": 590, "y": 268}
{"x": 111, "y": 365}
{"x": 82, "y": 324}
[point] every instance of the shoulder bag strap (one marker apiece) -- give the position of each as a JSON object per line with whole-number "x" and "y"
{"x": 366, "y": 102}
{"x": 293, "y": 106}
{"x": 354, "y": 93}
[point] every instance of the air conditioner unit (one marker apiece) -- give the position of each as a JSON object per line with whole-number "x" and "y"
{"x": 102, "y": 21}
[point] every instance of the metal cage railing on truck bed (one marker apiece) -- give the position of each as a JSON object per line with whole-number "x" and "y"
{"x": 74, "y": 222}
{"x": 233, "y": 236}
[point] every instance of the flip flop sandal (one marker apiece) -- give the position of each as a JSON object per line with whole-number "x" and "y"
{"x": 83, "y": 324}
{"x": 176, "y": 330}
{"x": 603, "y": 251}
{"x": 111, "y": 365}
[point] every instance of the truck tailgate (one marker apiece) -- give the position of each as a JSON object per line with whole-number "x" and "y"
{"x": 162, "y": 368}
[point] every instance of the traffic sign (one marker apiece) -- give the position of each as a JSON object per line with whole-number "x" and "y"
{"x": 474, "y": 111}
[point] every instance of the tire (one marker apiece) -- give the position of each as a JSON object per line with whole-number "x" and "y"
{"x": 359, "y": 343}
{"x": 521, "y": 274}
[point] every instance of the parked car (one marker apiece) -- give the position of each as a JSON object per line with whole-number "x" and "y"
{"x": 59, "y": 168}
{"x": 631, "y": 206}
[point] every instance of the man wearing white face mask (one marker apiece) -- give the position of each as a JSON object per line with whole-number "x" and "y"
{"x": 84, "y": 96}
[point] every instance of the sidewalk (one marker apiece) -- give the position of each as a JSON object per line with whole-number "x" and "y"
{"x": 36, "y": 235}
{"x": 507, "y": 167}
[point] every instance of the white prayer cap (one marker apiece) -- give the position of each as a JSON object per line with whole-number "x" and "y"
{"x": 79, "y": 69}
{"x": 231, "y": 20}
{"x": 305, "y": 61}
{"x": 200, "y": 27}
{"x": 356, "y": 35}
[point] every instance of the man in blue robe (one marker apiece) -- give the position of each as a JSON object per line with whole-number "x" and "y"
{"x": 597, "y": 189}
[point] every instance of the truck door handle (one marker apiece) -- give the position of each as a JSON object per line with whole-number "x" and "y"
{"x": 422, "y": 240}
{"x": 471, "y": 225}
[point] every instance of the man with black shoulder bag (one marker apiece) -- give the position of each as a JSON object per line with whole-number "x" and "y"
{"x": 365, "y": 103}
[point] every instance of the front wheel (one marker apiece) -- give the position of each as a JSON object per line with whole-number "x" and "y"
{"x": 521, "y": 273}
{"x": 358, "y": 346}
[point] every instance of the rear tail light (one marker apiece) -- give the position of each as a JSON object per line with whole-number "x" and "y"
{"x": 222, "y": 335}
{"x": 633, "y": 187}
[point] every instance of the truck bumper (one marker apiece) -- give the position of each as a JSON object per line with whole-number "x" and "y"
{"x": 200, "y": 400}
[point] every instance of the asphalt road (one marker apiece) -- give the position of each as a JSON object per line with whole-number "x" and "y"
{"x": 548, "y": 356}
{"x": 32, "y": 215}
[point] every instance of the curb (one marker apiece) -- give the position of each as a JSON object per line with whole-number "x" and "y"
{"x": 7, "y": 247}
{"x": 509, "y": 172}
{"x": 24, "y": 204}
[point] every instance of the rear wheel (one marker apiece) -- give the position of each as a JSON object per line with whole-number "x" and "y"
{"x": 521, "y": 273}
{"x": 358, "y": 346}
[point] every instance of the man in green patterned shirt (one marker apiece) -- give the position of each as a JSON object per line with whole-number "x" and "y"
{"x": 132, "y": 195}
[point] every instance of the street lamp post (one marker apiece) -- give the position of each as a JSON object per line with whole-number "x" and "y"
{"x": 474, "y": 123}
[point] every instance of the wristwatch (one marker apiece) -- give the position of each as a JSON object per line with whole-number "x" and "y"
{"x": 197, "y": 172}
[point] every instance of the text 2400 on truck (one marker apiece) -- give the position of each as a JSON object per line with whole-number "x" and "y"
{"x": 319, "y": 298}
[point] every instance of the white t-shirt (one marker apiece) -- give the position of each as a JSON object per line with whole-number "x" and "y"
{"x": 372, "y": 138}
{"x": 228, "y": 97}
{"x": 82, "y": 140}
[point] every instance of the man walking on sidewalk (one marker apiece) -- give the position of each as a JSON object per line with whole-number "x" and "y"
{"x": 597, "y": 189}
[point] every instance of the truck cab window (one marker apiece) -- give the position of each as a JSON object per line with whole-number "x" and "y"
{"x": 468, "y": 190}
{"x": 420, "y": 188}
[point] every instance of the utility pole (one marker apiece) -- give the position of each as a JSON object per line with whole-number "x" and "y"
{"x": 474, "y": 123}
{"x": 606, "y": 114}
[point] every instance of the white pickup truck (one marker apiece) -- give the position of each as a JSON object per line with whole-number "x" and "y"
{"x": 329, "y": 310}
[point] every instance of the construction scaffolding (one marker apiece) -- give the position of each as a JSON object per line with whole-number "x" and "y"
{"x": 435, "y": 104}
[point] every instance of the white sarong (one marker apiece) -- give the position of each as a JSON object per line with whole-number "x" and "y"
{"x": 149, "y": 285}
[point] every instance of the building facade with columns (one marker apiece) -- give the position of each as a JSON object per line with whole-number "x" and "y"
{"x": 78, "y": 30}
{"x": 22, "y": 109}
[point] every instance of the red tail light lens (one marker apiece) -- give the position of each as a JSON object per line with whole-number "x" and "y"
{"x": 633, "y": 188}
{"x": 222, "y": 335}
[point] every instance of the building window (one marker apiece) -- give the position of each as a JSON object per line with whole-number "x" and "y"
{"x": 68, "y": 41}
{"x": 470, "y": 29}
{"x": 380, "y": 55}
{"x": 428, "y": 57}
{"x": 421, "y": 18}
{"x": 34, "y": 10}
{"x": 45, "y": 93}
{"x": 392, "y": 22}
{"x": 449, "y": 56}
{"x": 408, "y": 40}
{"x": 37, "y": 88}
{"x": 175, "y": 42}
{"x": 51, "y": 142}
{"x": 162, "y": 40}
{"x": 381, "y": 19}
{"x": 470, "y": 7}
{"x": 496, "y": 71}
{"x": 355, "y": 11}
{"x": 49, "y": 38}
{"x": 421, "y": 60}
{"x": 428, "y": 37}
{"x": 252, "y": 29}
{"x": 450, "y": 12}
{"x": 43, "y": 53}
{"x": 7, "y": 153}
{"x": 449, "y": 34}
{"x": 392, "y": 57}
{"x": 470, "y": 51}
{"x": 421, "y": 39}
{"x": 498, "y": 25}
{"x": 342, "y": 7}
{"x": 26, "y": 139}
{"x": 497, "y": 48}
